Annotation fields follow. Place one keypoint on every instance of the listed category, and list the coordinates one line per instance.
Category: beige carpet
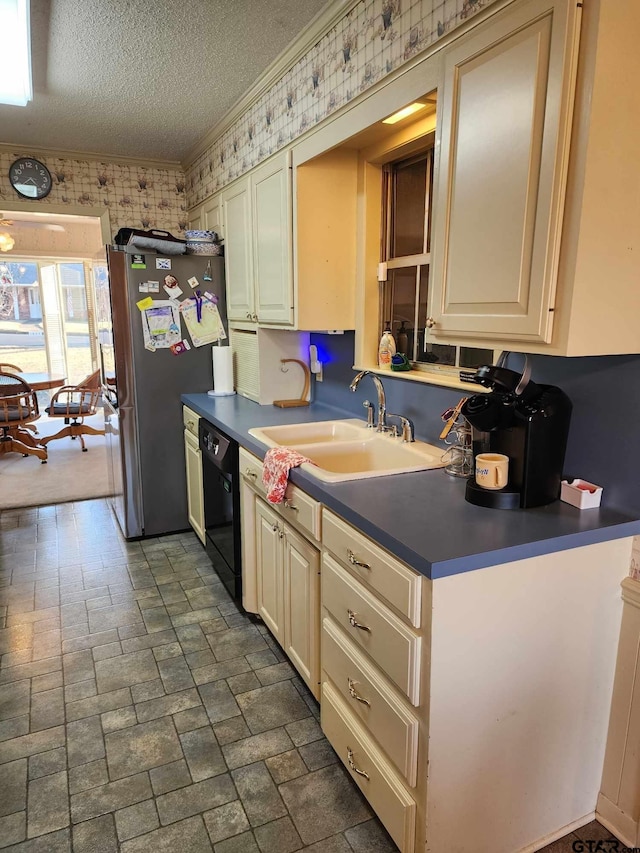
(69, 475)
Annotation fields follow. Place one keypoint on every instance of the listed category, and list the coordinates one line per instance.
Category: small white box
(581, 493)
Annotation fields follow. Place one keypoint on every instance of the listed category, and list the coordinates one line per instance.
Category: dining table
(42, 381)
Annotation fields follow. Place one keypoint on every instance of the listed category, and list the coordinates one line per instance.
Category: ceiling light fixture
(15, 82)
(403, 113)
(6, 242)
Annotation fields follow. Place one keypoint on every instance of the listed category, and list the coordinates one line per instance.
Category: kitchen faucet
(382, 400)
(406, 424)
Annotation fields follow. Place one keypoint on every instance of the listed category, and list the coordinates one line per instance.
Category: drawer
(377, 780)
(301, 510)
(397, 584)
(190, 420)
(251, 470)
(373, 627)
(297, 508)
(371, 699)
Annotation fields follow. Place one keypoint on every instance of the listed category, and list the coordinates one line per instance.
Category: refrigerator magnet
(171, 287)
(153, 286)
(143, 287)
(180, 347)
(143, 304)
(163, 263)
(193, 282)
(138, 262)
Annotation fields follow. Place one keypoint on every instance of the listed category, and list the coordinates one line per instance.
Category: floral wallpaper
(371, 41)
(136, 196)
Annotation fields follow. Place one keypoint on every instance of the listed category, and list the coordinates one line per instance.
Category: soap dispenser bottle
(386, 348)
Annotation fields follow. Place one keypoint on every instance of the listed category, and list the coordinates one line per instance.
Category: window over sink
(405, 254)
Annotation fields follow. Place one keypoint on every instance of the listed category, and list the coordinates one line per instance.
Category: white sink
(347, 450)
(321, 431)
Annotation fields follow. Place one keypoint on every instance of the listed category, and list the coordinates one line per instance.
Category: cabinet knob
(254, 317)
(249, 473)
(430, 323)
(290, 506)
(352, 764)
(354, 623)
(249, 316)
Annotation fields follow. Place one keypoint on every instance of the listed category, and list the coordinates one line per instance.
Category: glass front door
(46, 317)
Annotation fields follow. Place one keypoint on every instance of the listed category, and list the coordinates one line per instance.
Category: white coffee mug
(492, 470)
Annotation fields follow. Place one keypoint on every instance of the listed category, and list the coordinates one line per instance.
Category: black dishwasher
(221, 484)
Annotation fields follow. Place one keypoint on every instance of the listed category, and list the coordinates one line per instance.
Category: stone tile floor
(141, 711)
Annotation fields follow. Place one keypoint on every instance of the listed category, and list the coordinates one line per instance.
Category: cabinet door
(196, 219)
(273, 237)
(248, 527)
(212, 215)
(269, 568)
(302, 607)
(195, 495)
(237, 251)
(506, 120)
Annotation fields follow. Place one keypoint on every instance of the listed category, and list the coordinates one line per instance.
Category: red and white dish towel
(278, 461)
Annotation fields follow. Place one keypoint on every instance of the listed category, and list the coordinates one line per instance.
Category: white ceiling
(145, 78)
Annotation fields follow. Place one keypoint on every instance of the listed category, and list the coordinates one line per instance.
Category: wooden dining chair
(74, 403)
(9, 368)
(18, 409)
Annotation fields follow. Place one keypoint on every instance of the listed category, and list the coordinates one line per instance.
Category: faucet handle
(368, 405)
(407, 427)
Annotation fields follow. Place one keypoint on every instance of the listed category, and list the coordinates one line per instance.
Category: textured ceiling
(145, 78)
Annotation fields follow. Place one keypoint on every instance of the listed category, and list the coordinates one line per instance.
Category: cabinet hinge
(382, 271)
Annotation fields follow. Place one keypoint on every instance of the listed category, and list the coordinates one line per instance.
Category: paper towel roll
(222, 370)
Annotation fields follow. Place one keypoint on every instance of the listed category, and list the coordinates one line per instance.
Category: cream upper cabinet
(504, 132)
(272, 240)
(238, 251)
(212, 215)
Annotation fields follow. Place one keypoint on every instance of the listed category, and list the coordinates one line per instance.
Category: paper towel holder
(289, 404)
(215, 393)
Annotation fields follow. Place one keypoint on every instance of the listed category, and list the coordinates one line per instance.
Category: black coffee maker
(525, 421)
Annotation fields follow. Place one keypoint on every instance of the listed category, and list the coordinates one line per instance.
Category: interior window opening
(407, 188)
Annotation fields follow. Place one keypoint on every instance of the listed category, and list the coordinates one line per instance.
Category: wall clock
(30, 178)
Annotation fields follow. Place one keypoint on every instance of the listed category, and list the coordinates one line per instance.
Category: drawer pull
(249, 473)
(275, 528)
(352, 764)
(355, 624)
(354, 560)
(355, 695)
(289, 505)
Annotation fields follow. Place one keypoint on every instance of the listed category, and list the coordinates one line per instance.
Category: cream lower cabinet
(281, 569)
(374, 691)
(193, 463)
(458, 705)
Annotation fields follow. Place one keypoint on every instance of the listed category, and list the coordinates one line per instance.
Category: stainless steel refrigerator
(141, 389)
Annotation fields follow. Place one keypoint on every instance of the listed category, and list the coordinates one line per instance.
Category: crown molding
(316, 29)
(26, 150)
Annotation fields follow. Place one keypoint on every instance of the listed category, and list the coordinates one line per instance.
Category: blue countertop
(423, 517)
